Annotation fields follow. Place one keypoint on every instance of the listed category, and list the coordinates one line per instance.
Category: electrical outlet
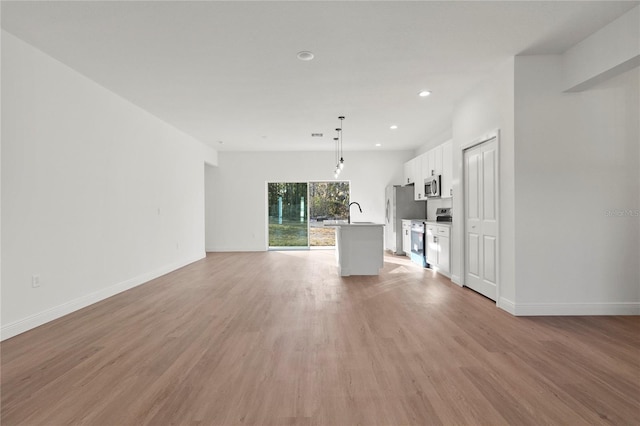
(35, 281)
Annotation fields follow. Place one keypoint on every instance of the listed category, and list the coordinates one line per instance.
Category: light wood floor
(279, 338)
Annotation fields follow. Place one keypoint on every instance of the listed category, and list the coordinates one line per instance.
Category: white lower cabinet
(406, 237)
(439, 248)
(444, 249)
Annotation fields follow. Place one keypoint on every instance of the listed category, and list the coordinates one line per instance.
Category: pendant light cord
(339, 149)
(341, 131)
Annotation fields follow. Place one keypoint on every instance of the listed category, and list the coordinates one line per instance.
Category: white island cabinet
(359, 248)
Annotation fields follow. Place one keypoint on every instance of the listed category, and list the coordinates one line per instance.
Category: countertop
(354, 224)
(433, 222)
(430, 222)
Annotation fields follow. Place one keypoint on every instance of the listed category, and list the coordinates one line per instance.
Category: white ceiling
(227, 71)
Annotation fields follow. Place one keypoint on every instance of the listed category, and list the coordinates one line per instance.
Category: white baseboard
(539, 309)
(506, 305)
(232, 249)
(441, 271)
(456, 280)
(36, 320)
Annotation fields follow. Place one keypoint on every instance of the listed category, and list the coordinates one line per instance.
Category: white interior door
(481, 218)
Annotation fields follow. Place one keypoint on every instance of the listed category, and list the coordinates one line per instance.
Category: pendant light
(336, 172)
(339, 157)
(341, 164)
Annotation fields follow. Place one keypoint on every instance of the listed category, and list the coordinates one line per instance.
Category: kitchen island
(359, 248)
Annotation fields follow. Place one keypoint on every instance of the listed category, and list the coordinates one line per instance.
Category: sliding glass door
(288, 225)
(328, 203)
(298, 212)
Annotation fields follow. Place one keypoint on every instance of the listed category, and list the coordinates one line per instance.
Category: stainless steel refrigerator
(399, 204)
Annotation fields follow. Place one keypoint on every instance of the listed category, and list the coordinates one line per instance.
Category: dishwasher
(417, 243)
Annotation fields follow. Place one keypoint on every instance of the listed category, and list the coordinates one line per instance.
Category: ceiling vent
(316, 135)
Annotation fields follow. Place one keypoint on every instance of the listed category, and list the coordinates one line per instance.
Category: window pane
(287, 214)
(329, 201)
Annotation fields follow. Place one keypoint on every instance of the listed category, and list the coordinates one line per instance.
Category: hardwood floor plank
(280, 338)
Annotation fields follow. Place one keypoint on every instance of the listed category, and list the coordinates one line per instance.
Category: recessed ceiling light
(305, 55)
(424, 93)
(378, 144)
(393, 127)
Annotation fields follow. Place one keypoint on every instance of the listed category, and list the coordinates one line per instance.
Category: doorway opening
(298, 212)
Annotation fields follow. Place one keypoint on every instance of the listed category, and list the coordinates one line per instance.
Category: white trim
(506, 305)
(539, 309)
(456, 280)
(266, 216)
(225, 249)
(482, 139)
(441, 272)
(36, 320)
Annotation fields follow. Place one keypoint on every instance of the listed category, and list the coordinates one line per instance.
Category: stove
(444, 215)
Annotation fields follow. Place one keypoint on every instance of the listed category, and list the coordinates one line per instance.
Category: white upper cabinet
(427, 160)
(418, 189)
(435, 161)
(447, 170)
(438, 161)
(409, 175)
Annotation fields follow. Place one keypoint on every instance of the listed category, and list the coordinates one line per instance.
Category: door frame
(494, 134)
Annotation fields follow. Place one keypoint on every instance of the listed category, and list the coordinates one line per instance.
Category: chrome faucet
(359, 208)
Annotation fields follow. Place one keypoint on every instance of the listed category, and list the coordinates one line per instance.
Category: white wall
(576, 158)
(236, 190)
(438, 138)
(566, 159)
(98, 195)
(608, 52)
(487, 108)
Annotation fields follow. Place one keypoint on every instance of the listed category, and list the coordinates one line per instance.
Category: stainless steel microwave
(432, 186)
